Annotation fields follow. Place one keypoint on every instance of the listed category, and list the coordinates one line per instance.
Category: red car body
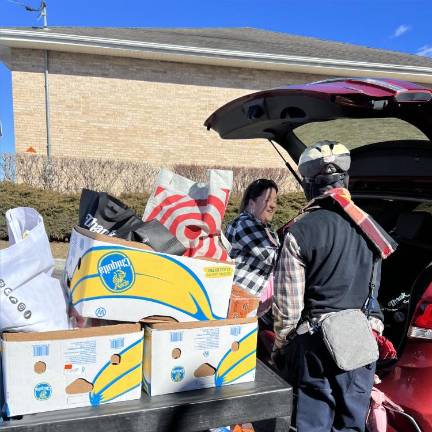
(392, 180)
(409, 382)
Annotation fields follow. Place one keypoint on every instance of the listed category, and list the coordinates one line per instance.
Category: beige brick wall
(115, 107)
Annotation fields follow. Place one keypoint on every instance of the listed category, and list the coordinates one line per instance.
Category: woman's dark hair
(254, 190)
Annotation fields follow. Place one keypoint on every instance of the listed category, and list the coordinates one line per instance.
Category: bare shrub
(243, 176)
(7, 167)
(63, 174)
(137, 176)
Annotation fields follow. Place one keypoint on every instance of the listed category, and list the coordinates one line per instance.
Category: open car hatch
(276, 114)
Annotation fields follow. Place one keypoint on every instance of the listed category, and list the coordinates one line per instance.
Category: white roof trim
(47, 39)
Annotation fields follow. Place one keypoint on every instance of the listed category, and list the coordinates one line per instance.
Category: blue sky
(401, 25)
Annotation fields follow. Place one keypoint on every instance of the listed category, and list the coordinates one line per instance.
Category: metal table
(269, 397)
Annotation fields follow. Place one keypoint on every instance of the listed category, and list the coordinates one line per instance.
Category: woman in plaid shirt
(254, 246)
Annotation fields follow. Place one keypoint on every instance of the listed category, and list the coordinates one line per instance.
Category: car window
(358, 132)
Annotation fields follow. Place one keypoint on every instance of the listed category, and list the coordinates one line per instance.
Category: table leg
(281, 424)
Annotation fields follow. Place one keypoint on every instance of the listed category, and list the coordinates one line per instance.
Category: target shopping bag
(193, 212)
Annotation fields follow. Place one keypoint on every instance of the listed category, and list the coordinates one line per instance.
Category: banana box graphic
(113, 279)
(189, 356)
(73, 368)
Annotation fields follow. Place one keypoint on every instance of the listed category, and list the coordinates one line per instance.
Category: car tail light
(413, 96)
(421, 326)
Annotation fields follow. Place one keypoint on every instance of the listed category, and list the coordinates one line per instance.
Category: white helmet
(324, 166)
(324, 157)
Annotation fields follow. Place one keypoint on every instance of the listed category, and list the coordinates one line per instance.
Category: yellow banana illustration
(236, 363)
(114, 380)
(147, 362)
(108, 272)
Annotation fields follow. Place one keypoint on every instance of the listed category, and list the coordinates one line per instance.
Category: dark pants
(328, 399)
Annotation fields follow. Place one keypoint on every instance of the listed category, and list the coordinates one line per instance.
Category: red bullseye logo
(195, 222)
(192, 232)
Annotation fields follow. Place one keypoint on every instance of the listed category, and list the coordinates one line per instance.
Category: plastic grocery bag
(21, 312)
(377, 416)
(29, 251)
(193, 212)
(30, 299)
(104, 214)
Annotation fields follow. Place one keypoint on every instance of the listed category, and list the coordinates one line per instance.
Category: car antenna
(287, 164)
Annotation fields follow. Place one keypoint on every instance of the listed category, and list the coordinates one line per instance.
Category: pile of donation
(144, 303)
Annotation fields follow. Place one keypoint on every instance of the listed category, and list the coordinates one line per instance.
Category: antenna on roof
(42, 10)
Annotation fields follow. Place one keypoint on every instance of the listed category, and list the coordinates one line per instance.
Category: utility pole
(42, 10)
(43, 14)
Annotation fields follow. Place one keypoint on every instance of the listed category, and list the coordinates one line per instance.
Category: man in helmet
(325, 266)
(324, 166)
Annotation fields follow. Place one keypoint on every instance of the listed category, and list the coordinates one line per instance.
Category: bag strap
(119, 214)
(369, 303)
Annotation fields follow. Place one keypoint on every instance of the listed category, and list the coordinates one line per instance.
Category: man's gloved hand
(386, 348)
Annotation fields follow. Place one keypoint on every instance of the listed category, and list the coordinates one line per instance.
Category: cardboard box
(189, 356)
(117, 280)
(72, 368)
(243, 304)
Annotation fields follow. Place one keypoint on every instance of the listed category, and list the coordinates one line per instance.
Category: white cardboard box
(188, 356)
(72, 368)
(113, 279)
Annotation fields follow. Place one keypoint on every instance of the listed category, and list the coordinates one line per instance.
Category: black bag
(101, 213)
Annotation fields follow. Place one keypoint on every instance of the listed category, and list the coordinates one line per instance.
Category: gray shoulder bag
(348, 335)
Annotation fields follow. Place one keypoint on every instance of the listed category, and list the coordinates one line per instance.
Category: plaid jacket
(254, 248)
(289, 289)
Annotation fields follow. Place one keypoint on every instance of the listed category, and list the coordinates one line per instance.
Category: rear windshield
(358, 132)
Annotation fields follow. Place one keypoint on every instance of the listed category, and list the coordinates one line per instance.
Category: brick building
(144, 94)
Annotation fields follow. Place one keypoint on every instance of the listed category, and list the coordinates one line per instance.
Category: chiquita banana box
(72, 368)
(188, 356)
(113, 279)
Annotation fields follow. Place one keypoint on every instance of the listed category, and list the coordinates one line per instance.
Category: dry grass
(59, 249)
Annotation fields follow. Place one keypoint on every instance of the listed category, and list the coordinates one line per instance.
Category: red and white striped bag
(193, 212)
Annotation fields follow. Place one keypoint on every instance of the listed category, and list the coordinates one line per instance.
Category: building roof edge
(49, 40)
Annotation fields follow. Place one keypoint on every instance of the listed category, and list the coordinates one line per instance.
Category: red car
(388, 126)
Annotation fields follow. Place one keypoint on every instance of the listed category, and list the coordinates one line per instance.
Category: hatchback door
(278, 114)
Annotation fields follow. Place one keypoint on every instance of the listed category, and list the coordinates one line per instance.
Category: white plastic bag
(21, 312)
(30, 299)
(29, 251)
(193, 212)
